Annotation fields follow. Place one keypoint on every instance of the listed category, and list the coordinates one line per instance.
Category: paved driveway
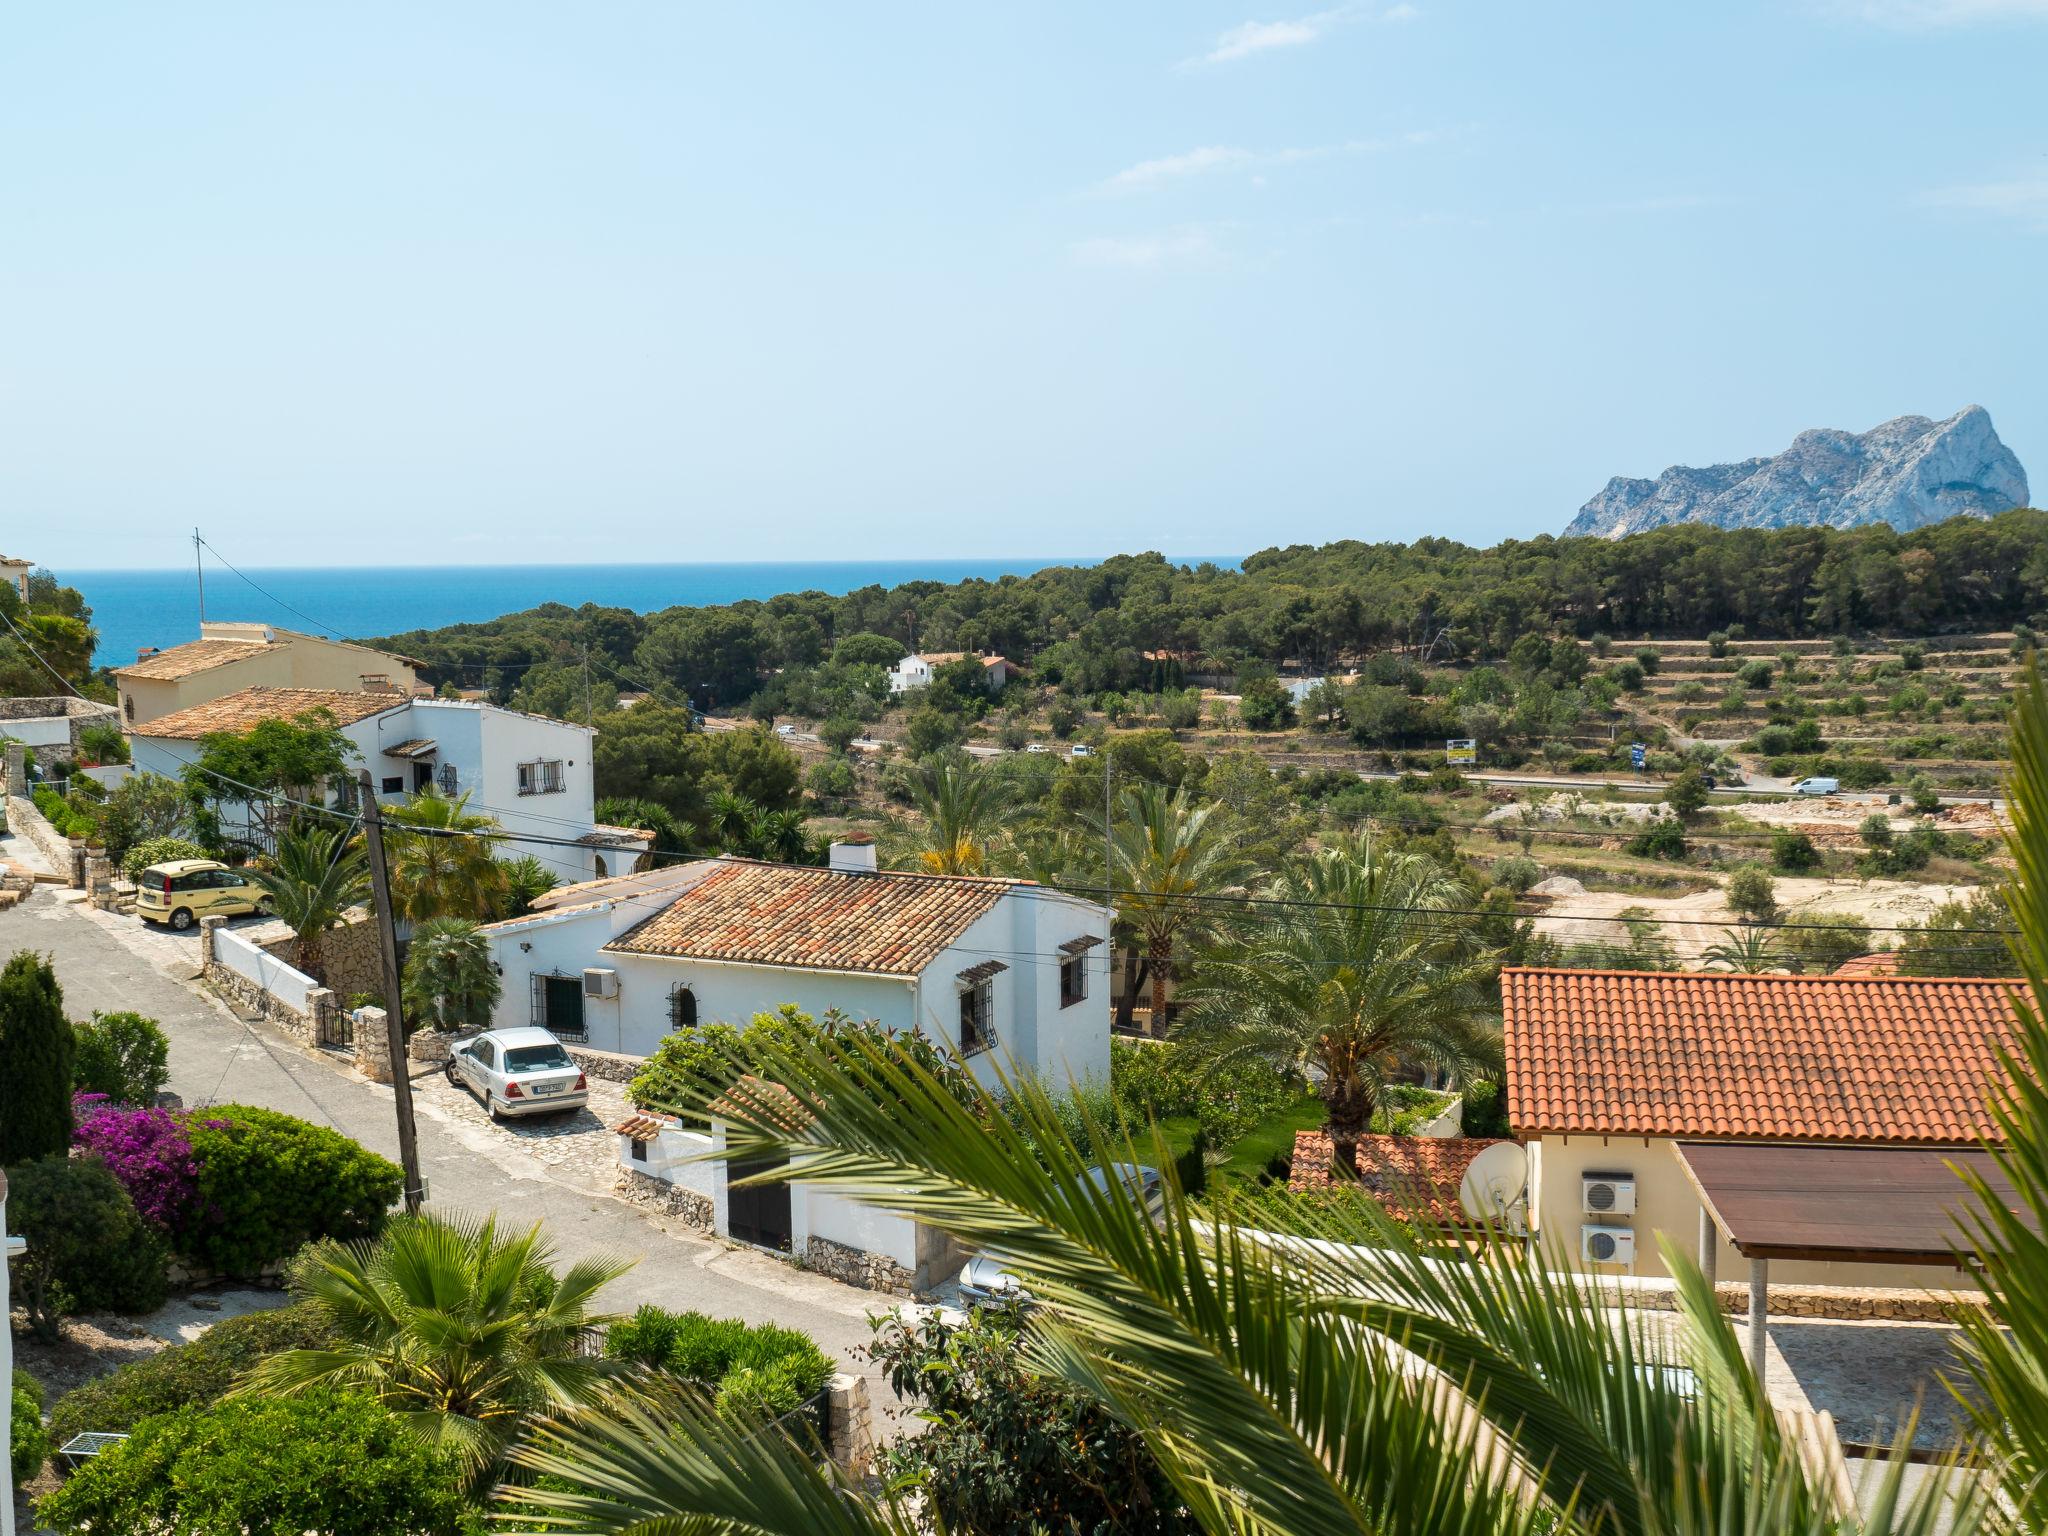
(524, 1175)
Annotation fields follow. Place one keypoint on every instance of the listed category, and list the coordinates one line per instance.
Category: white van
(1816, 786)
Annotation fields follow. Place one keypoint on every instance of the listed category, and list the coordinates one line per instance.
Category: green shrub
(1662, 839)
(1750, 893)
(186, 1375)
(158, 850)
(1517, 874)
(1793, 853)
(28, 1443)
(1754, 674)
(337, 1463)
(270, 1183)
(1820, 941)
(37, 1045)
(122, 1055)
(1485, 1111)
(1863, 773)
(88, 1248)
(754, 1373)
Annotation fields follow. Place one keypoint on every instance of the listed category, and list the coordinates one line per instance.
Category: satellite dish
(1493, 1185)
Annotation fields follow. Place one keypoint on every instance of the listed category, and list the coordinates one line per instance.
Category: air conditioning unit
(1607, 1194)
(600, 983)
(1607, 1245)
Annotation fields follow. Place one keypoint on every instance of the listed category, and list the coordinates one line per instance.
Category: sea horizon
(159, 606)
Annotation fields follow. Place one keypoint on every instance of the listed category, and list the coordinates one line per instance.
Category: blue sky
(541, 283)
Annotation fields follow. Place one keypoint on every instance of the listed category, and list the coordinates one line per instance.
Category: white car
(785, 730)
(1037, 746)
(519, 1072)
(986, 1280)
(1080, 749)
(1816, 786)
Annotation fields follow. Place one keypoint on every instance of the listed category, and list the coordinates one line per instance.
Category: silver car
(519, 1072)
(986, 1280)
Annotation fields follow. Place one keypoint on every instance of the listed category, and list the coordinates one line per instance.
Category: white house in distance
(916, 671)
(15, 573)
(1003, 971)
(229, 657)
(531, 774)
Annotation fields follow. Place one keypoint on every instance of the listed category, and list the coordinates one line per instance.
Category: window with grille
(1073, 981)
(448, 778)
(977, 1017)
(682, 1008)
(542, 777)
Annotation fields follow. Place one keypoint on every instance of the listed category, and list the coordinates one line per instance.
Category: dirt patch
(93, 1344)
(1569, 807)
(1693, 923)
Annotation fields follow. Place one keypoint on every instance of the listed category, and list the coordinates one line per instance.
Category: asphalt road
(111, 963)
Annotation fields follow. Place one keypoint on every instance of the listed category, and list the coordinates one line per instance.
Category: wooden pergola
(1834, 1203)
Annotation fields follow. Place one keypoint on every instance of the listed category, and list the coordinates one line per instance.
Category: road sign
(1638, 753)
(1461, 754)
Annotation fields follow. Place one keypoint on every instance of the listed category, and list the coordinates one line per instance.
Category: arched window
(682, 1008)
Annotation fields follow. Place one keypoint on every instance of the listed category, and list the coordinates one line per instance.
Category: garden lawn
(1270, 1138)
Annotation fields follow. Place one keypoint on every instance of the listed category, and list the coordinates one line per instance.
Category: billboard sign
(1461, 754)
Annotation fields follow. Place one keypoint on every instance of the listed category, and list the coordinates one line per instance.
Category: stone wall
(636, 1188)
(608, 1065)
(24, 820)
(851, 1432)
(852, 1266)
(349, 955)
(308, 1028)
(373, 1044)
(1831, 1301)
(75, 712)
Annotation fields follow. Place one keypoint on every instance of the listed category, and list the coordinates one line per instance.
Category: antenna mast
(199, 564)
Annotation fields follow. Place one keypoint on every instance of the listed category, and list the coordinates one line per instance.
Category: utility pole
(586, 682)
(199, 563)
(394, 1010)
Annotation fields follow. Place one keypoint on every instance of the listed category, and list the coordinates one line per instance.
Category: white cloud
(1938, 13)
(1250, 37)
(1149, 175)
(2025, 199)
(1144, 253)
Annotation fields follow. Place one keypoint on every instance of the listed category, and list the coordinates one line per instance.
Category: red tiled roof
(1784, 1058)
(1414, 1177)
(757, 1102)
(239, 712)
(640, 1127)
(890, 923)
(195, 656)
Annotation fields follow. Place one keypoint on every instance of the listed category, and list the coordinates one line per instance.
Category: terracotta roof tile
(238, 712)
(1789, 1058)
(890, 923)
(193, 657)
(1413, 1177)
(641, 1127)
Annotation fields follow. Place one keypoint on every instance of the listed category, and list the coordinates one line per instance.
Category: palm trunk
(1134, 978)
(1160, 956)
(311, 961)
(1350, 1104)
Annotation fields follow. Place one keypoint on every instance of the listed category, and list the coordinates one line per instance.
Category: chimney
(854, 854)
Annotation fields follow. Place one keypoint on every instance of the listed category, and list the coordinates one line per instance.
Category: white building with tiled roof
(1007, 972)
(229, 657)
(532, 775)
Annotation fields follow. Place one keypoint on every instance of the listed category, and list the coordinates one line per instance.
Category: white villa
(916, 671)
(531, 774)
(1003, 971)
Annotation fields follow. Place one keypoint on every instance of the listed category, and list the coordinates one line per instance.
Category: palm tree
(1358, 1384)
(465, 1333)
(732, 819)
(526, 881)
(1167, 859)
(1349, 977)
(1750, 949)
(670, 835)
(443, 859)
(450, 982)
(964, 807)
(316, 875)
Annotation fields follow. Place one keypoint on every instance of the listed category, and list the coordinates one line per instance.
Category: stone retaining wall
(608, 1065)
(851, 1266)
(26, 821)
(1840, 1302)
(308, 1029)
(348, 954)
(636, 1188)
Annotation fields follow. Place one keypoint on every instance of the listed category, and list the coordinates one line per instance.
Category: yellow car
(185, 890)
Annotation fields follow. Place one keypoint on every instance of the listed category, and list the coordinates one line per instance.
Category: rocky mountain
(1908, 472)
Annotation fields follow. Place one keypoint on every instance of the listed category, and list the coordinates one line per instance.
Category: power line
(331, 631)
(27, 646)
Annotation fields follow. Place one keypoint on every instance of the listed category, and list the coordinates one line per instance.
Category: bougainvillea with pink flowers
(148, 1151)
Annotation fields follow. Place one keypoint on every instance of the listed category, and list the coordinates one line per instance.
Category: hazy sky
(546, 283)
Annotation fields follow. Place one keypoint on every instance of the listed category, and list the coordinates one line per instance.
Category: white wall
(6, 1374)
(289, 986)
(819, 1212)
(1667, 1203)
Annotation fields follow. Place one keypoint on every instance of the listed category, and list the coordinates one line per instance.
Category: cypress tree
(36, 1047)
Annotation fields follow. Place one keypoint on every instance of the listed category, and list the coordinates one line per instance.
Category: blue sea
(133, 609)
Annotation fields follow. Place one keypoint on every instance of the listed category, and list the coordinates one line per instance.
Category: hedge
(186, 1375)
(338, 1463)
(754, 1373)
(28, 1443)
(270, 1183)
